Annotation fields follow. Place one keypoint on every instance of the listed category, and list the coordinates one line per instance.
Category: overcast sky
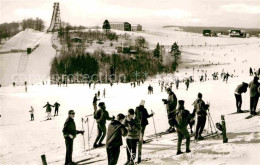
(235, 13)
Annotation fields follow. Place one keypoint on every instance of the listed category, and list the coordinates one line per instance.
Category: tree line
(73, 65)
(8, 30)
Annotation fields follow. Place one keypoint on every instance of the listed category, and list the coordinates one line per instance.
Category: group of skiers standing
(174, 116)
(132, 126)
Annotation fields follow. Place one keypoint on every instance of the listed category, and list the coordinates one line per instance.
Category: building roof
(116, 22)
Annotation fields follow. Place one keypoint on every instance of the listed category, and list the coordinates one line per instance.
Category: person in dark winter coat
(48, 110)
(32, 113)
(177, 83)
(171, 104)
(200, 109)
(98, 94)
(242, 88)
(250, 71)
(133, 126)
(183, 118)
(187, 82)
(142, 114)
(150, 89)
(114, 139)
(56, 107)
(95, 99)
(101, 116)
(69, 133)
(254, 95)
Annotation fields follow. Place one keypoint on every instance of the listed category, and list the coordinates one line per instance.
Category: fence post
(224, 131)
(44, 160)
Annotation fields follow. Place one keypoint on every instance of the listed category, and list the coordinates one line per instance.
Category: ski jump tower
(55, 20)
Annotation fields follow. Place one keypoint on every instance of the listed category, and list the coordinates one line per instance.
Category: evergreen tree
(106, 26)
(156, 51)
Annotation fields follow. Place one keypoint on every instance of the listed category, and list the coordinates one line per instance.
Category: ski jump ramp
(55, 20)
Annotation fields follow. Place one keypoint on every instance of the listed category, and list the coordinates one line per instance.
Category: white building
(136, 27)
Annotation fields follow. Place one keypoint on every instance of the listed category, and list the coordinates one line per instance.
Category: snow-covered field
(23, 141)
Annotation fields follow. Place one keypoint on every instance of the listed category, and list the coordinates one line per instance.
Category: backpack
(200, 108)
(138, 113)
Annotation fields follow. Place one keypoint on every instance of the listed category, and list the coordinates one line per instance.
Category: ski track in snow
(23, 141)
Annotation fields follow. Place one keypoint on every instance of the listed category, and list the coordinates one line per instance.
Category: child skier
(32, 113)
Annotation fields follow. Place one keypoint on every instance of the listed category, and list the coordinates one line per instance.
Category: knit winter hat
(101, 104)
(181, 103)
(71, 112)
(142, 102)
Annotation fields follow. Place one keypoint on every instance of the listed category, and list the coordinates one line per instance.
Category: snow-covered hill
(37, 66)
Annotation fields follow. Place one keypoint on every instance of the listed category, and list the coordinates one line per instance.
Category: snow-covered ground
(23, 141)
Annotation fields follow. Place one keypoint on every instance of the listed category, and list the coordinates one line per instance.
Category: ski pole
(154, 126)
(92, 129)
(131, 156)
(83, 134)
(88, 136)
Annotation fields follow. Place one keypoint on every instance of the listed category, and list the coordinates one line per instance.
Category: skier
(177, 83)
(254, 95)
(142, 114)
(116, 130)
(242, 88)
(95, 99)
(56, 106)
(149, 89)
(187, 82)
(98, 94)
(162, 87)
(32, 113)
(133, 126)
(171, 107)
(48, 110)
(69, 133)
(250, 71)
(201, 78)
(104, 93)
(183, 117)
(227, 75)
(13, 84)
(200, 109)
(101, 116)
